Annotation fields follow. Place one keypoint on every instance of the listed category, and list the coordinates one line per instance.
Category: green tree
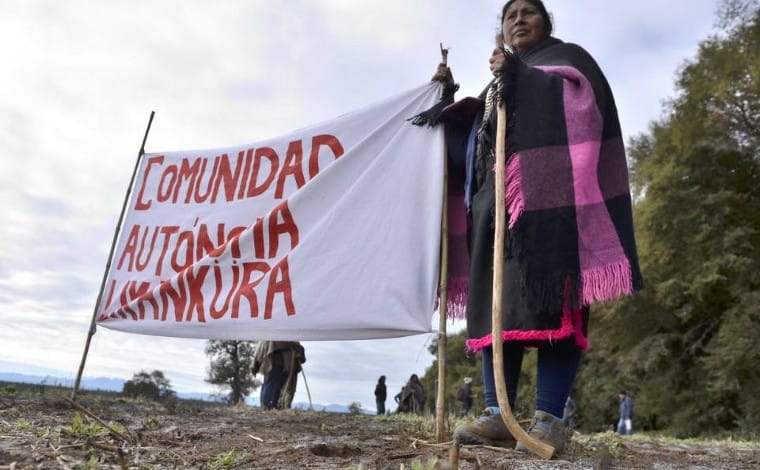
(230, 367)
(687, 346)
(153, 386)
(459, 364)
(355, 408)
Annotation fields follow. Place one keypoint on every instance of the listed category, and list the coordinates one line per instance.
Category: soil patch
(49, 433)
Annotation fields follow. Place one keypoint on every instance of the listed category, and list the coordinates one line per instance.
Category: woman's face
(523, 26)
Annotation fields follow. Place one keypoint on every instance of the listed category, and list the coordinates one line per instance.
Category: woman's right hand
(443, 75)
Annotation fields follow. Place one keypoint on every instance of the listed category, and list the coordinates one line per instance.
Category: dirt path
(47, 433)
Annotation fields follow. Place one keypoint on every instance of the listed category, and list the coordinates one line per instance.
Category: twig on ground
(403, 456)
(103, 446)
(500, 449)
(56, 449)
(424, 443)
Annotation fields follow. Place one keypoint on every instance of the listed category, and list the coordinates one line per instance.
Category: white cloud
(80, 79)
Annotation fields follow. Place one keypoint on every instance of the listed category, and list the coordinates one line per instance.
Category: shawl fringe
(432, 116)
(456, 303)
(608, 282)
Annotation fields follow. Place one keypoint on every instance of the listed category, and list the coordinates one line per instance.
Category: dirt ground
(49, 432)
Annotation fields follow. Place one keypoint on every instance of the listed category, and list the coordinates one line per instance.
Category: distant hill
(109, 384)
(89, 383)
(116, 385)
(331, 408)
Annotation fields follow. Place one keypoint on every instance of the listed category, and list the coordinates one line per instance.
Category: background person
(381, 392)
(279, 362)
(625, 423)
(411, 398)
(465, 396)
(569, 234)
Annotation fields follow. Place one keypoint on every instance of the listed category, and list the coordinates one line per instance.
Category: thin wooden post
(92, 328)
(440, 405)
(308, 393)
(539, 448)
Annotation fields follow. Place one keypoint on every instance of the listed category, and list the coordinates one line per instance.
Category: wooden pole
(440, 405)
(536, 446)
(306, 384)
(91, 330)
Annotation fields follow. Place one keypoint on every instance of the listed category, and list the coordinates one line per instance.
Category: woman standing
(569, 232)
(381, 392)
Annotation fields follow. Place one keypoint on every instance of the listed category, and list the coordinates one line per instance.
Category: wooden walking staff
(440, 405)
(91, 331)
(536, 446)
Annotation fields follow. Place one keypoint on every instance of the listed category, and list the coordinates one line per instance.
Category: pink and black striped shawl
(570, 229)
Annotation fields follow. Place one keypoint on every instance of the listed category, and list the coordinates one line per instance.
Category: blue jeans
(557, 367)
(625, 428)
(271, 388)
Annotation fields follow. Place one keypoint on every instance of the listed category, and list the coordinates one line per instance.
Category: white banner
(329, 232)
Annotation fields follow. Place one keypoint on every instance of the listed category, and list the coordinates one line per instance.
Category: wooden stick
(454, 456)
(536, 446)
(440, 405)
(306, 384)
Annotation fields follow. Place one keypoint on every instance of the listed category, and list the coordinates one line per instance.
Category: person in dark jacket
(465, 396)
(411, 398)
(381, 392)
(625, 423)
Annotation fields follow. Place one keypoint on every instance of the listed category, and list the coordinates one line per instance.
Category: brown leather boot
(488, 430)
(548, 429)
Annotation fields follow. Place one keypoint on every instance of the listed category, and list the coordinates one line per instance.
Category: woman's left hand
(498, 61)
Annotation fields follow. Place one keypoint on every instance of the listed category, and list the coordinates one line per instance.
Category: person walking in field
(625, 423)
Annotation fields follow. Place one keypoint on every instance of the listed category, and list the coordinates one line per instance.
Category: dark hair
(548, 26)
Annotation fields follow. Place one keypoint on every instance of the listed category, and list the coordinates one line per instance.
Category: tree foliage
(687, 346)
(154, 386)
(230, 368)
(459, 364)
(355, 408)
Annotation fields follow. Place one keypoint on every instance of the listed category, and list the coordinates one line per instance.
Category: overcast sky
(80, 79)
